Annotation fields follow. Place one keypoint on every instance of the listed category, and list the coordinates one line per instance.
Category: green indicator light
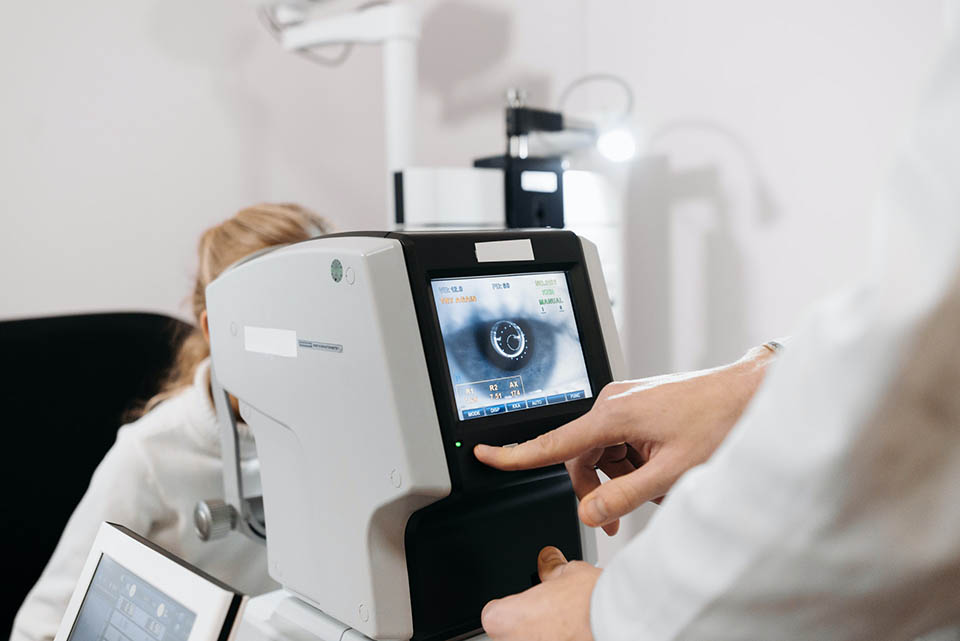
(458, 443)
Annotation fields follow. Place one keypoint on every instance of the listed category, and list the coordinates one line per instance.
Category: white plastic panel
(335, 429)
(608, 326)
(452, 197)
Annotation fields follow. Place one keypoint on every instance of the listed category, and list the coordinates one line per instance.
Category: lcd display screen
(511, 342)
(121, 606)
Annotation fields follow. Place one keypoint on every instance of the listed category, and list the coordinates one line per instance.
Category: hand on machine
(643, 435)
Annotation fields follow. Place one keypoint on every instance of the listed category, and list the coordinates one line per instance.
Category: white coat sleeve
(122, 490)
(831, 510)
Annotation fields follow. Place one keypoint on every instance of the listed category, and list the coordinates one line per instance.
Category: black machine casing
(482, 541)
(526, 208)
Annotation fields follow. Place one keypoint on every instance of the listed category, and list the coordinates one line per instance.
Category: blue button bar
(557, 398)
(474, 413)
(537, 402)
(575, 396)
(516, 405)
(495, 409)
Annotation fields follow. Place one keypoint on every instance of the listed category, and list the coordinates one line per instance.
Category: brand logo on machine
(323, 347)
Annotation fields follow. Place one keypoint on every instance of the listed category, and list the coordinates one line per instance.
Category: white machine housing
(320, 343)
(275, 325)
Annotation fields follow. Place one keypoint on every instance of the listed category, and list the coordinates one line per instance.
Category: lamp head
(617, 145)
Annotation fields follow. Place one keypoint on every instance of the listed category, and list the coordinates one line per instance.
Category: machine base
(280, 616)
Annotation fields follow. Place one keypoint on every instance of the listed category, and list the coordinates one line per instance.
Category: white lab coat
(832, 511)
(151, 478)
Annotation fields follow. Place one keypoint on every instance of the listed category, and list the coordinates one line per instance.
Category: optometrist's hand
(556, 610)
(642, 434)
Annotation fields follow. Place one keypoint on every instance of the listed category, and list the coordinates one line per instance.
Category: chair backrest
(65, 384)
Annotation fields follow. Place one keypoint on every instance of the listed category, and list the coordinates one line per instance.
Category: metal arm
(215, 518)
(396, 26)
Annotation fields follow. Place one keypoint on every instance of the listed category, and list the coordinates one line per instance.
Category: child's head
(248, 231)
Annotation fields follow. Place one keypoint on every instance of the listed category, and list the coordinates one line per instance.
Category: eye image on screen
(511, 342)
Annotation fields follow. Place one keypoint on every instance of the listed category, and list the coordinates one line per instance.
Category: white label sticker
(266, 340)
(544, 182)
(504, 250)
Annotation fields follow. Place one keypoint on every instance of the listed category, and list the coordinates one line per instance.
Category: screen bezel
(216, 605)
(438, 255)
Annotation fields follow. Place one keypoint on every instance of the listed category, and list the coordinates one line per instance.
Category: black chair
(66, 383)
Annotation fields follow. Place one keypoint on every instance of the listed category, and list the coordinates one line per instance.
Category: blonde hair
(249, 230)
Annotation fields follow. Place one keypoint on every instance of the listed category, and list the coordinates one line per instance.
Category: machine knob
(213, 519)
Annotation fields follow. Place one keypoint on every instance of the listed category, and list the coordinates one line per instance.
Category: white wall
(803, 102)
(127, 129)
